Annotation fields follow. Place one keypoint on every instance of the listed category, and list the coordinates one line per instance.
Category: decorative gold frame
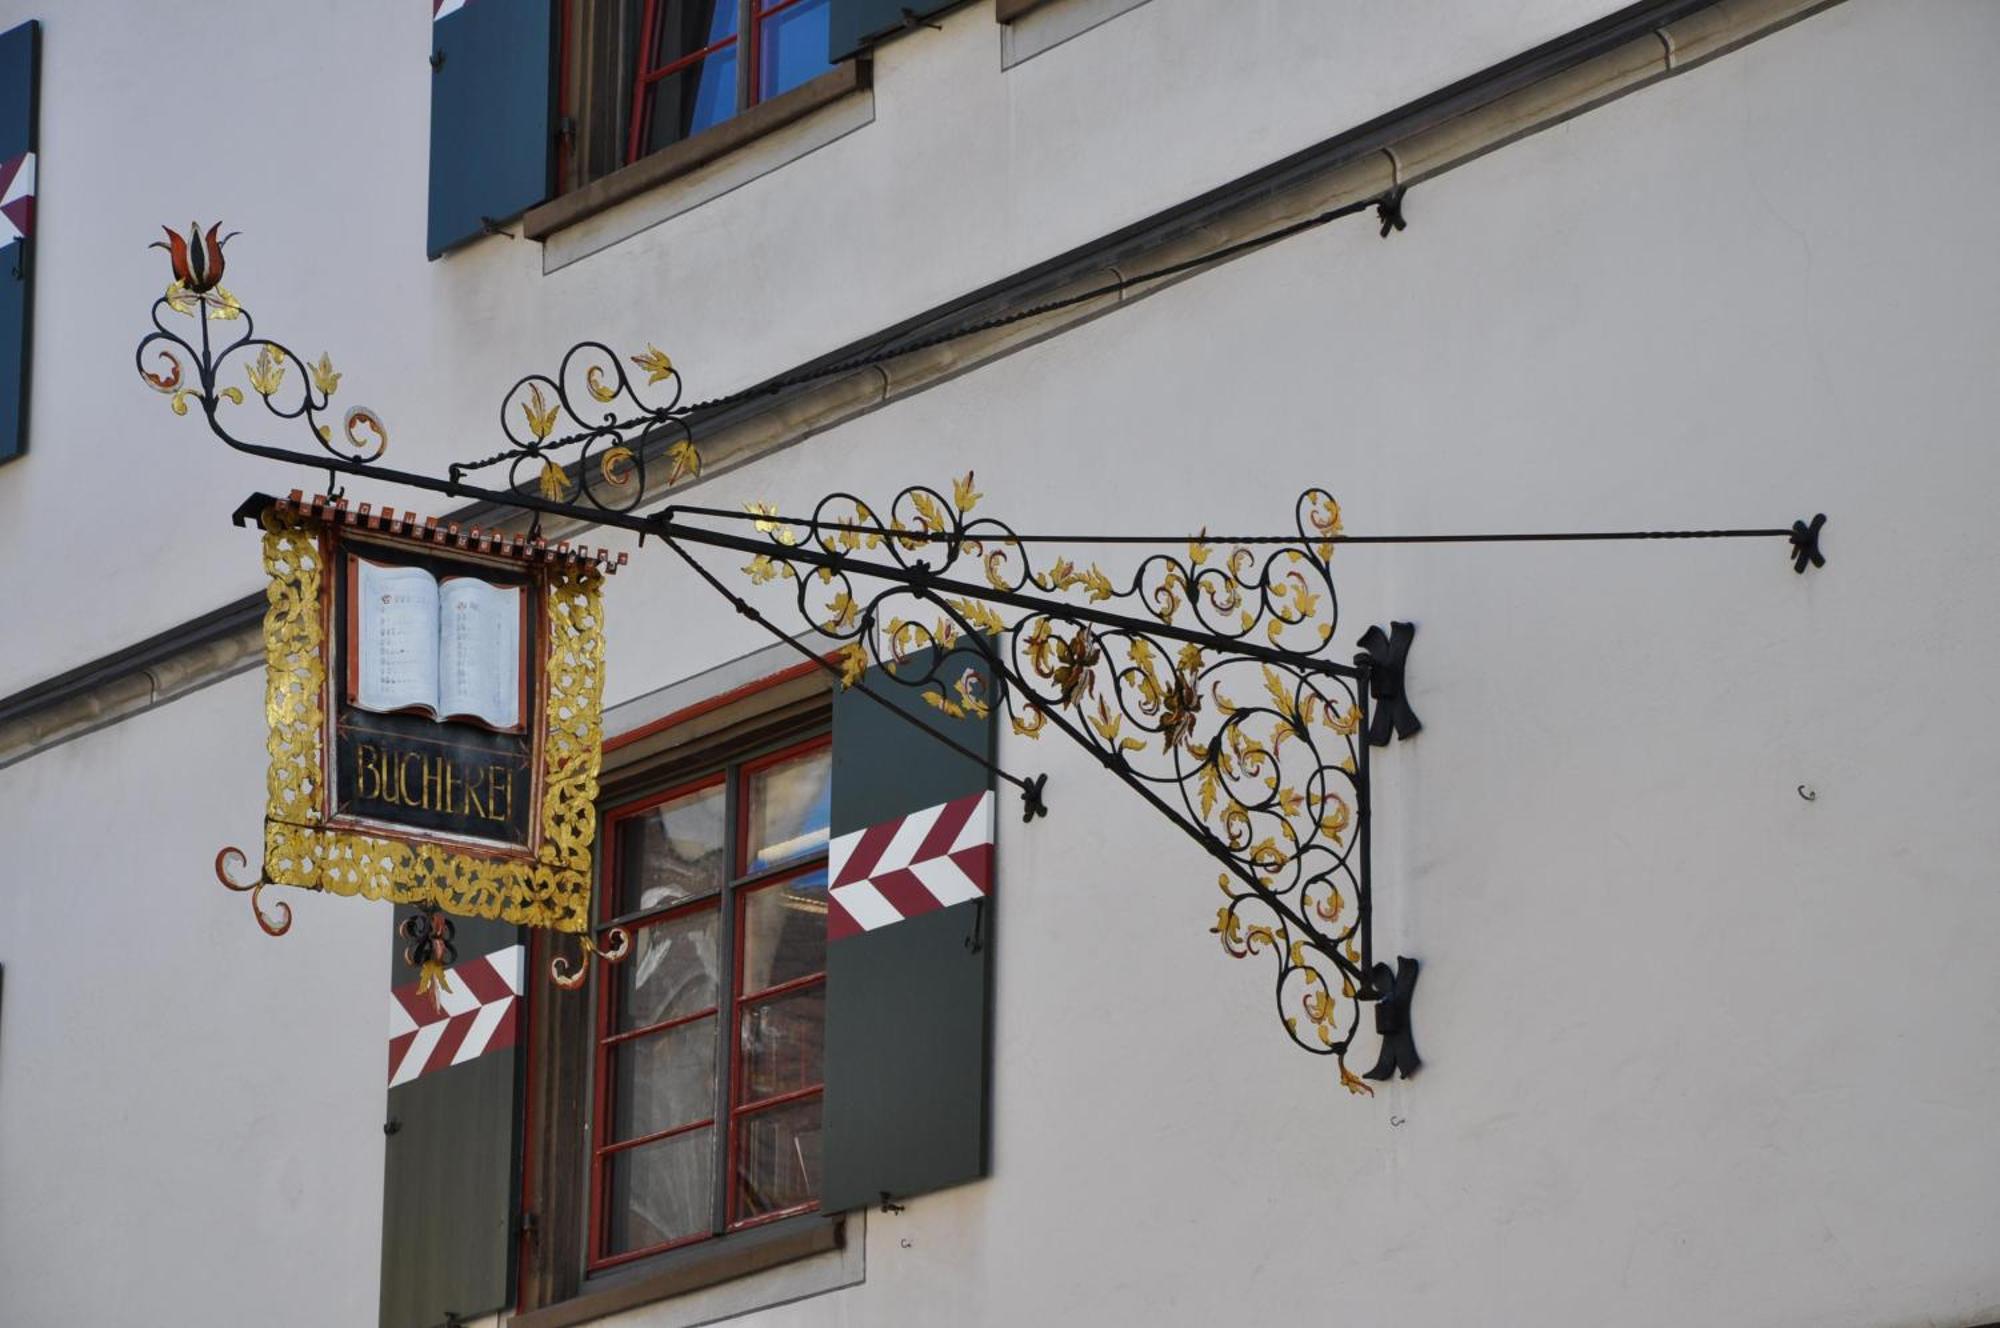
(549, 889)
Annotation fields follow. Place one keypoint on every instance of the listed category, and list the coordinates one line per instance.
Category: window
(710, 1035)
(643, 75)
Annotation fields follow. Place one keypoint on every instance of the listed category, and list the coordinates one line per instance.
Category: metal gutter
(1538, 89)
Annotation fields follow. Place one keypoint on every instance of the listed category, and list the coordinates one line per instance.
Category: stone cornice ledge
(1540, 89)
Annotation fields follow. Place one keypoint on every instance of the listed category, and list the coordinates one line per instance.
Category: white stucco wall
(1698, 1051)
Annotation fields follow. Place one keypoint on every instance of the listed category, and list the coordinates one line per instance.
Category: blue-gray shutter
(854, 24)
(452, 1176)
(492, 116)
(20, 51)
(908, 1018)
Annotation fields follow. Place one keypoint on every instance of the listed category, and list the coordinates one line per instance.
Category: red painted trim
(785, 1098)
(784, 988)
(664, 1026)
(671, 1132)
(680, 62)
(737, 891)
(686, 713)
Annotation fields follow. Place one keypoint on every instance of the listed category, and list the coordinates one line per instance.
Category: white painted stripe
(909, 838)
(448, 7)
(944, 879)
(481, 1032)
(512, 965)
(23, 184)
(839, 851)
(419, 1054)
(399, 1019)
(978, 828)
(865, 904)
(459, 998)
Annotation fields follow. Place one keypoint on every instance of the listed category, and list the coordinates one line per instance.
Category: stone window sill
(691, 154)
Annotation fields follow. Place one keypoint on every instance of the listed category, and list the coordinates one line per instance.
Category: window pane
(664, 1080)
(784, 931)
(687, 102)
(793, 48)
(777, 1159)
(790, 804)
(662, 1191)
(671, 971)
(783, 1041)
(671, 852)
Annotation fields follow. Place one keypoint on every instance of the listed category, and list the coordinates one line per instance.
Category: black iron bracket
(1202, 680)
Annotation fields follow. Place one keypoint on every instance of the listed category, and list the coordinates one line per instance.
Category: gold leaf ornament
(655, 362)
(963, 494)
(777, 530)
(324, 376)
(593, 378)
(541, 413)
(554, 483)
(267, 372)
(853, 662)
(682, 459)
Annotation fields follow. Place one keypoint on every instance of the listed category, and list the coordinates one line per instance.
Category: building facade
(1695, 850)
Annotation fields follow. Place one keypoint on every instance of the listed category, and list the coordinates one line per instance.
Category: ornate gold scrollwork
(550, 889)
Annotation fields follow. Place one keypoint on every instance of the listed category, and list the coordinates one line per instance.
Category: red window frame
(750, 18)
(739, 884)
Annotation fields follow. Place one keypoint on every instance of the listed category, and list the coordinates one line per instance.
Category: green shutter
(453, 1147)
(908, 1026)
(492, 109)
(854, 24)
(20, 49)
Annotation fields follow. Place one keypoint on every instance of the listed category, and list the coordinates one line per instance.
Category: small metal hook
(1808, 794)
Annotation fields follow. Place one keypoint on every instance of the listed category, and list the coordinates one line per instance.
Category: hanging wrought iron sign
(1213, 678)
(433, 697)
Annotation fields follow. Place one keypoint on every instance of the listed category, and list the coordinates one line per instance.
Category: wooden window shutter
(453, 1125)
(910, 958)
(492, 114)
(20, 51)
(855, 24)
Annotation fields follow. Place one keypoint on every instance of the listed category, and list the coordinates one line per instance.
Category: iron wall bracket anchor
(1393, 990)
(1384, 655)
(1805, 544)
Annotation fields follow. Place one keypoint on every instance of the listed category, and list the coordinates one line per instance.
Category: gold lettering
(403, 778)
(433, 800)
(367, 772)
(473, 806)
(502, 777)
(451, 801)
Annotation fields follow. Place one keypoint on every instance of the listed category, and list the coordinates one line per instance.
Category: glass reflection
(790, 807)
(671, 852)
(671, 971)
(784, 931)
(660, 1192)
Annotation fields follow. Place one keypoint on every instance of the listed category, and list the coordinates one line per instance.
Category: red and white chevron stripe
(17, 198)
(478, 1014)
(928, 860)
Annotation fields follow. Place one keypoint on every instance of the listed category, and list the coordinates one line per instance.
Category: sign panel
(433, 701)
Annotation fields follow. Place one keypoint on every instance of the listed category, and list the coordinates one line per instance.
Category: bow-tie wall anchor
(1393, 990)
(1384, 654)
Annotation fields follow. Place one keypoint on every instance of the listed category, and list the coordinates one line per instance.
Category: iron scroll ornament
(1207, 681)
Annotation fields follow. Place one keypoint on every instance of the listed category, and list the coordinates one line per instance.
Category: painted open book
(447, 647)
